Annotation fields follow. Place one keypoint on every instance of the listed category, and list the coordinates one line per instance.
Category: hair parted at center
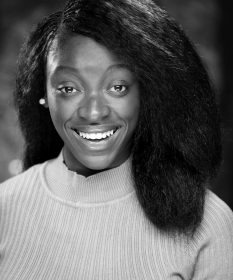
(176, 147)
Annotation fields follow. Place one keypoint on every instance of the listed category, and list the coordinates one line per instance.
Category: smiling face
(93, 100)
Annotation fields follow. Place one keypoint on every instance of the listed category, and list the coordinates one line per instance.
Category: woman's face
(93, 100)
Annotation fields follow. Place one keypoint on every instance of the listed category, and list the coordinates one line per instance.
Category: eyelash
(63, 89)
(60, 90)
(121, 92)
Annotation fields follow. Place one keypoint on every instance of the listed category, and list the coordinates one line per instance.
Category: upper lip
(95, 129)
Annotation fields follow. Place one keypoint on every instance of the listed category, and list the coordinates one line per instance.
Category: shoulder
(218, 217)
(16, 184)
(212, 245)
(217, 222)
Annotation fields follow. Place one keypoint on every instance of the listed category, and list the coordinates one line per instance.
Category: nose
(94, 109)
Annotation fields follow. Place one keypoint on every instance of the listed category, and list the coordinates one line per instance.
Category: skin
(90, 90)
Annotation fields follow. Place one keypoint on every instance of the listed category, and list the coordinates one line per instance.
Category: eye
(68, 90)
(119, 89)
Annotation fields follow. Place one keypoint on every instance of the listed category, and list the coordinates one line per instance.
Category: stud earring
(42, 101)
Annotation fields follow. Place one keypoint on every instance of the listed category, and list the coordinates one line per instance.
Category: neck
(99, 187)
(76, 166)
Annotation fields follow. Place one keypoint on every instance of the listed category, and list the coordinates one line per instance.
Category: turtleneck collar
(101, 187)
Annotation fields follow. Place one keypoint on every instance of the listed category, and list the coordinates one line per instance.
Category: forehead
(80, 51)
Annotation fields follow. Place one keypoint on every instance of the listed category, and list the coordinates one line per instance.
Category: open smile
(96, 136)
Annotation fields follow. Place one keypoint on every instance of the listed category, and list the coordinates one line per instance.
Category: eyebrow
(118, 66)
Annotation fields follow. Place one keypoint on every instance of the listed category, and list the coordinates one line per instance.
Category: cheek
(58, 107)
(60, 112)
(129, 113)
(129, 106)
(130, 110)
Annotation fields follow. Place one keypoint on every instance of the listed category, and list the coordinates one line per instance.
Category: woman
(122, 139)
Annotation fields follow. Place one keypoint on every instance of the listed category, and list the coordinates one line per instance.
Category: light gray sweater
(55, 224)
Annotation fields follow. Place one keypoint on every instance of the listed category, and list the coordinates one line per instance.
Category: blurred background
(208, 24)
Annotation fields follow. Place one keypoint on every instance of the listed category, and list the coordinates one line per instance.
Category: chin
(98, 163)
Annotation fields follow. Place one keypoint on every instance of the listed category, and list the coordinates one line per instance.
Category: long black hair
(176, 148)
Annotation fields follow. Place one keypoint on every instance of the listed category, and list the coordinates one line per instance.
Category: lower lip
(97, 145)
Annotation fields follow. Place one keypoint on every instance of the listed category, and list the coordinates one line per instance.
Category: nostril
(82, 112)
(94, 111)
(106, 111)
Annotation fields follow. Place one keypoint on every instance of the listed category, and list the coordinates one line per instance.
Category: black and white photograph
(116, 140)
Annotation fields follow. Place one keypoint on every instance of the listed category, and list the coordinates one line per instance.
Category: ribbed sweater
(56, 224)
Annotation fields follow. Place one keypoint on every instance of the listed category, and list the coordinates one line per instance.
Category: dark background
(208, 24)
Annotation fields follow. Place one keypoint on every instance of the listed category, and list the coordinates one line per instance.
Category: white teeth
(98, 135)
